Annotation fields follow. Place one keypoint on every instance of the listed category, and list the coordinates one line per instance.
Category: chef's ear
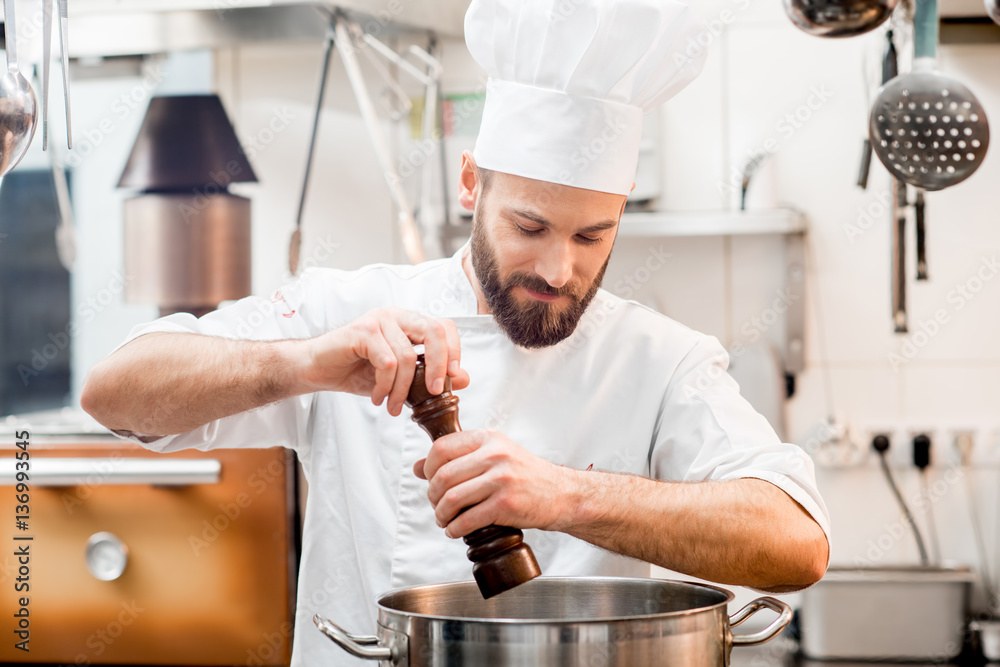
(624, 201)
(468, 182)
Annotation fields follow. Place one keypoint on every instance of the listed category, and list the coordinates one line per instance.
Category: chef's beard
(536, 324)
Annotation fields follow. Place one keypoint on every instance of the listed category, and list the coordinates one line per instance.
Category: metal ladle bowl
(18, 105)
(18, 110)
(929, 130)
(993, 9)
(838, 18)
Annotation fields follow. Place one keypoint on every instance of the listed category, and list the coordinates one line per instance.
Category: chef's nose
(555, 265)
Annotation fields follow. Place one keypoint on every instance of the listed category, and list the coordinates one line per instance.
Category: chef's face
(539, 251)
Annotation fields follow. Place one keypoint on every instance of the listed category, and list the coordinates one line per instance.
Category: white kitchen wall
(760, 68)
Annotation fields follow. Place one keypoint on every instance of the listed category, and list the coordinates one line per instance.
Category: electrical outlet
(833, 444)
(836, 446)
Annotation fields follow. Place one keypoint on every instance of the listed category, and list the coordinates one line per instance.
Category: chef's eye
(588, 240)
(529, 232)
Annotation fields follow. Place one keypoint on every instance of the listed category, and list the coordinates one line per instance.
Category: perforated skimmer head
(929, 130)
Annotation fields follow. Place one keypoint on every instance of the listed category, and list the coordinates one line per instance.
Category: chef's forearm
(166, 383)
(744, 532)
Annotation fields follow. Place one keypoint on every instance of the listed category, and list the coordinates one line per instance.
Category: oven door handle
(112, 470)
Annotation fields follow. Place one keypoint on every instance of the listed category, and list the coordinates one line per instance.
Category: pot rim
(729, 597)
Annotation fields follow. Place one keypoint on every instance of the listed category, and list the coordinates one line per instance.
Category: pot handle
(768, 633)
(362, 646)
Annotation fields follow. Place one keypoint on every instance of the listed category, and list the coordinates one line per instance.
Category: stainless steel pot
(585, 621)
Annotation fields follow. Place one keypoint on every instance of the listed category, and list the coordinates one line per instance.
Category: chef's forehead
(512, 190)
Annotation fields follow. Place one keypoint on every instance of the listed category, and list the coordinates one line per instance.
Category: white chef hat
(569, 81)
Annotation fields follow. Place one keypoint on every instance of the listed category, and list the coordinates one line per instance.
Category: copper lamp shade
(187, 239)
(186, 142)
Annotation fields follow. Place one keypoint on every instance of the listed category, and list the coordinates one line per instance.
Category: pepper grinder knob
(501, 558)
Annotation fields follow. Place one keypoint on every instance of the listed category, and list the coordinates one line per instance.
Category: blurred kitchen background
(797, 286)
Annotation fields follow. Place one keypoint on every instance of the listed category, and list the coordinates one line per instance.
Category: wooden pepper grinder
(502, 559)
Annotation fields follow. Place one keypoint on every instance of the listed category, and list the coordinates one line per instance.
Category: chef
(609, 433)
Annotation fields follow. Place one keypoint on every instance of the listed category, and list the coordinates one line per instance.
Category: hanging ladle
(18, 106)
(838, 18)
(928, 129)
(993, 9)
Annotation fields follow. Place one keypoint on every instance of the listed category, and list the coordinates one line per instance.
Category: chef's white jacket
(629, 391)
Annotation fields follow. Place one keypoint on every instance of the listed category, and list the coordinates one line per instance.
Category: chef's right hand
(374, 356)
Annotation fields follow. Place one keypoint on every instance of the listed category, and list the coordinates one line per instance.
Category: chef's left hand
(498, 480)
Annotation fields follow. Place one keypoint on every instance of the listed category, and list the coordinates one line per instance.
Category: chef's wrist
(578, 492)
(295, 357)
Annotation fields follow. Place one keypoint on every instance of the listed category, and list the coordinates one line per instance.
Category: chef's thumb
(418, 468)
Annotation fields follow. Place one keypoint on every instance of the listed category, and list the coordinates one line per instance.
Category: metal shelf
(712, 223)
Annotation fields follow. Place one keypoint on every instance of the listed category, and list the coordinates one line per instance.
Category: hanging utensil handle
(295, 245)
(46, 58)
(362, 646)
(925, 33)
(899, 256)
(64, 47)
(921, 236)
(10, 35)
(768, 633)
(890, 59)
(866, 163)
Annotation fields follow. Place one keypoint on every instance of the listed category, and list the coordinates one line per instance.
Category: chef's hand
(374, 356)
(498, 480)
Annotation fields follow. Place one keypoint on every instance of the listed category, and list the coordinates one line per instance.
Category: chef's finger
(454, 347)
(466, 495)
(459, 377)
(376, 350)
(475, 517)
(461, 381)
(406, 364)
(434, 336)
(418, 469)
(450, 447)
(452, 474)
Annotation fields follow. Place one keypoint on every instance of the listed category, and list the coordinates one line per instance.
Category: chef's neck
(482, 308)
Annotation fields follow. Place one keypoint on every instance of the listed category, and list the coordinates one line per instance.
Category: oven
(126, 556)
